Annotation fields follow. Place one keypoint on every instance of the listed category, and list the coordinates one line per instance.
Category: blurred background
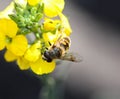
(95, 37)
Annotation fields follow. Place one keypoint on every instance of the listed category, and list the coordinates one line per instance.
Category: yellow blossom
(2, 41)
(50, 25)
(53, 7)
(23, 63)
(39, 66)
(18, 46)
(49, 37)
(65, 24)
(16, 43)
(33, 53)
(33, 2)
(42, 67)
(8, 29)
(9, 56)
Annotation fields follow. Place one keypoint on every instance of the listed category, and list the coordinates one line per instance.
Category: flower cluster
(43, 19)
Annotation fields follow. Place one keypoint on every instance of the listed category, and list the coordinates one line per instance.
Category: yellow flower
(33, 2)
(39, 66)
(50, 25)
(53, 7)
(49, 37)
(16, 48)
(8, 28)
(17, 44)
(33, 53)
(42, 67)
(23, 63)
(9, 56)
(2, 41)
(65, 24)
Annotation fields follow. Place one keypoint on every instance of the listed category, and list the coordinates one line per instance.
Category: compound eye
(46, 54)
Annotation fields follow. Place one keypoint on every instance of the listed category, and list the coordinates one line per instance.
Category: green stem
(48, 91)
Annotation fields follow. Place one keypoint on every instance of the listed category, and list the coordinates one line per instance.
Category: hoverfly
(59, 50)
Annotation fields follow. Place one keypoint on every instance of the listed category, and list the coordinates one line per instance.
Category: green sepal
(24, 31)
(38, 17)
(13, 17)
(40, 8)
(18, 8)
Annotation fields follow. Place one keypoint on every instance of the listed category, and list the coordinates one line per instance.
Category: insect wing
(74, 57)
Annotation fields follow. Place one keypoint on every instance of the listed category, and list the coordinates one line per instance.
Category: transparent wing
(73, 57)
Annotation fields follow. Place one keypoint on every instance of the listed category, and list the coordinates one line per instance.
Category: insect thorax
(57, 50)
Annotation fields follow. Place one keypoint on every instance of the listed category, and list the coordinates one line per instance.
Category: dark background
(16, 84)
(108, 10)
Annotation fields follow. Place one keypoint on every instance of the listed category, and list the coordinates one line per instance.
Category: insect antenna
(46, 48)
(49, 43)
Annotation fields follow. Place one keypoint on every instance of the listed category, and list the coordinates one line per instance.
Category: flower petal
(33, 53)
(19, 45)
(65, 24)
(8, 27)
(50, 25)
(22, 63)
(9, 57)
(53, 7)
(33, 2)
(11, 29)
(2, 41)
(42, 67)
(49, 37)
(3, 25)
